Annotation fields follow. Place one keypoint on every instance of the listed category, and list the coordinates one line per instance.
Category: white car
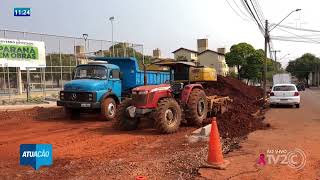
(284, 94)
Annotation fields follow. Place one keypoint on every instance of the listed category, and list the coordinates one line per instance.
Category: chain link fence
(63, 54)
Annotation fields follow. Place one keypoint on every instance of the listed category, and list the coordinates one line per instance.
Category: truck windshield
(91, 72)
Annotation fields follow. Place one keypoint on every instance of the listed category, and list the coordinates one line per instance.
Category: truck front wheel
(167, 116)
(108, 109)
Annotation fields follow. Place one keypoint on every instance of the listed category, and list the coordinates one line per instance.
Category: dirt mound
(243, 116)
(33, 113)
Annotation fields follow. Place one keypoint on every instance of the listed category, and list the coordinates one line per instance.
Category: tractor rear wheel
(167, 116)
(197, 108)
(123, 121)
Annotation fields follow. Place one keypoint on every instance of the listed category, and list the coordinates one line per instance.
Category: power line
(297, 35)
(305, 35)
(259, 9)
(298, 29)
(235, 11)
(241, 10)
(291, 40)
(254, 8)
(248, 8)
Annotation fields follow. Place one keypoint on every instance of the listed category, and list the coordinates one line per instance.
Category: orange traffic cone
(215, 157)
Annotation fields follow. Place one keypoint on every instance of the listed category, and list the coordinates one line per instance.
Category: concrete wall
(212, 59)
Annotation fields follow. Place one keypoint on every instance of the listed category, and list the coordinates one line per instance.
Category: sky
(166, 24)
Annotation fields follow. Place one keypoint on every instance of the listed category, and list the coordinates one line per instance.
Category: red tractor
(166, 103)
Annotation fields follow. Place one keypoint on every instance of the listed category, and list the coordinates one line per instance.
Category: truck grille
(140, 99)
(78, 96)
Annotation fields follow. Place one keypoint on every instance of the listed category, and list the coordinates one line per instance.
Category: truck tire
(167, 116)
(72, 113)
(197, 108)
(123, 121)
(108, 108)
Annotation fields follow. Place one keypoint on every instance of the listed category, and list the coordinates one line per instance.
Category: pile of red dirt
(244, 115)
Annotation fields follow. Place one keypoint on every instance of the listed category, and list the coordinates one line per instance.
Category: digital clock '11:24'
(22, 11)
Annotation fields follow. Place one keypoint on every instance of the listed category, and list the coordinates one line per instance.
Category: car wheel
(297, 105)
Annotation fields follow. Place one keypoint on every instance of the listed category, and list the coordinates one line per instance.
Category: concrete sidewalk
(27, 106)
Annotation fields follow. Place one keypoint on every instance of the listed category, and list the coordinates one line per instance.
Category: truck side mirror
(121, 75)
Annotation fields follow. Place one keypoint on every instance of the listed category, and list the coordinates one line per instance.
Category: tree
(302, 66)
(123, 50)
(250, 62)
(251, 70)
(238, 56)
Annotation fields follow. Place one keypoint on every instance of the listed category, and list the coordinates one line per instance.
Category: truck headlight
(62, 95)
(143, 92)
(90, 96)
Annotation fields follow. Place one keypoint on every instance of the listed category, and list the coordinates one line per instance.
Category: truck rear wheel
(167, 116)
(197, 107)
(123, 121)
(108, 109)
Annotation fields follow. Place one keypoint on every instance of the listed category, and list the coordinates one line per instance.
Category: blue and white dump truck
(100, 85)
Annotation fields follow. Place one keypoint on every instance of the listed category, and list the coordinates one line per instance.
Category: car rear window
(284, 88)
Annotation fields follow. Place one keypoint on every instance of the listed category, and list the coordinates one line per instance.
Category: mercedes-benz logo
(74, 96)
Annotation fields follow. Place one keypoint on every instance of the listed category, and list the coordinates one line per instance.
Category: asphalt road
(291, 147)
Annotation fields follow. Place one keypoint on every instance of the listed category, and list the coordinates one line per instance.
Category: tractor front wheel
(167, 116)
(196, 108)
(123, 121)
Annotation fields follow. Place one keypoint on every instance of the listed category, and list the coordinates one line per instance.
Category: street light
(111, 19)
(296, 10)
(284, 56)
(85, 37)
(266, 40)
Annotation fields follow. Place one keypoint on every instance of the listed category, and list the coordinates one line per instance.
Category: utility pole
(266, 40)
(275, 59)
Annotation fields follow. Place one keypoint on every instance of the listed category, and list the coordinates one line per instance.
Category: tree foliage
(249, 62)
(123, 50)
(302, 66)
(238, 56)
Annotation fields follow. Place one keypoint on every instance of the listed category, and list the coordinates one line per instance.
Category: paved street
(290, 128)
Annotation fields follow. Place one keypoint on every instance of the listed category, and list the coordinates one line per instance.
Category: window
(284, 88)
(91, 72)
(115, 74)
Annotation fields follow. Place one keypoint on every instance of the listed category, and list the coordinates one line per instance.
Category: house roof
(185, 49)
(156, 60)
(208, 50)
(174, 63)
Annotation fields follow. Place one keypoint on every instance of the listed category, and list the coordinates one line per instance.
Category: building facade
(185, 54)
(205, 57)
(214, 59)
